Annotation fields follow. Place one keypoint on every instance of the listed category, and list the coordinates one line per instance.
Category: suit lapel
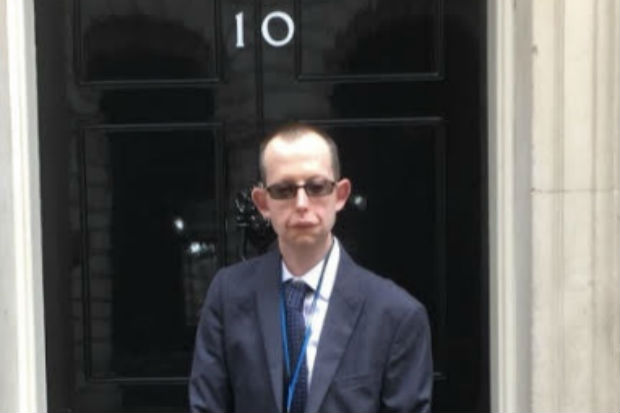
(267, 299)
(345, 305)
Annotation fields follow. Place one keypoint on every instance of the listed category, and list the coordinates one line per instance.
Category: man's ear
(343, 190)
(259, 196)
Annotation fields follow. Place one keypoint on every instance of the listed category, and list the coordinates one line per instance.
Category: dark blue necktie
(295, 293)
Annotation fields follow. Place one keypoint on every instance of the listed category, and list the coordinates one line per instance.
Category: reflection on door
(149, 139)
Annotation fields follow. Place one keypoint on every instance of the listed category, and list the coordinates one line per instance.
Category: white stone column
(575, 283)
(22, 339)
(509, 96)
(554, 136)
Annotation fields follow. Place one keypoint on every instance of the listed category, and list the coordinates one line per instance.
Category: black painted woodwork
(150, 116)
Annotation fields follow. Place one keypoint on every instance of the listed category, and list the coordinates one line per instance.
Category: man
(304, 328)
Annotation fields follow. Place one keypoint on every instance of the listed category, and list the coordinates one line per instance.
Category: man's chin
(304, 240)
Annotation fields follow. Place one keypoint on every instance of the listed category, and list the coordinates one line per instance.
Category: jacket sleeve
(408, 379)
(209, 384)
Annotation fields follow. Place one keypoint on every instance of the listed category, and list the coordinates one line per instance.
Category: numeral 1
(240, 39)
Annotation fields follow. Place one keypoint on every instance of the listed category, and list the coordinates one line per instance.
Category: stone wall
(575, 284)
(555, 288)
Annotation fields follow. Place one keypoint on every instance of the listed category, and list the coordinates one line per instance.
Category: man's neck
(300, 261)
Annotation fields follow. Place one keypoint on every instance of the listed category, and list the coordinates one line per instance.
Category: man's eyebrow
(294, 181)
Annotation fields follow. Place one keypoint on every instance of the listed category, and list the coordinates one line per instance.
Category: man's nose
(301, 198)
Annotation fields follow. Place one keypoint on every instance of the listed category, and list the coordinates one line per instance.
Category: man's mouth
(302, 225)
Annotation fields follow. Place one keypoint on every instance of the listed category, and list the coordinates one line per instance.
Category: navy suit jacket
(374, 352)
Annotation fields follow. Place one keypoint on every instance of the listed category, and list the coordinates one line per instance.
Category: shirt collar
(311, 278)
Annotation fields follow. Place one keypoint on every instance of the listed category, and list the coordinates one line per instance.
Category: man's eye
(282, 190)
(286, 189)
(315, 187)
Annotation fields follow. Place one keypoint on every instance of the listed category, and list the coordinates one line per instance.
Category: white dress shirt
(311, 278)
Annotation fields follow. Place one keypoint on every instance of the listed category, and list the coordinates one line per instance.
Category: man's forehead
(306, 141)
(298, 155)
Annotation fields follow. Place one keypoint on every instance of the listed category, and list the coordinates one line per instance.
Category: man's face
(301, 221)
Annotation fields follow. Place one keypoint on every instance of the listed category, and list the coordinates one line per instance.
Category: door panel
(142, 264)
(395, 221)
(151, 117)
(143, 42)
(337, 40)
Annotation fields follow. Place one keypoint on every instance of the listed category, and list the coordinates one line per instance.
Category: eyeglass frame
(331, 183)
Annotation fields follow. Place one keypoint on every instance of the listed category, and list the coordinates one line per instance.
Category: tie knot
(295, 294)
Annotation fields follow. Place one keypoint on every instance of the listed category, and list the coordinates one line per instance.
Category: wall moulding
(22, 389)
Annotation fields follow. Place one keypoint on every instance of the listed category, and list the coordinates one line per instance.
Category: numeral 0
(290, 29)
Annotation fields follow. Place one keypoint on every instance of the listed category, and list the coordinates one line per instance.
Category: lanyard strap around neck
(302, 352)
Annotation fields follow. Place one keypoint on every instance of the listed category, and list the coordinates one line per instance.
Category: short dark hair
(293, 131)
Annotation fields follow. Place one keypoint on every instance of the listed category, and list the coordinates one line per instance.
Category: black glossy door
(150, 116)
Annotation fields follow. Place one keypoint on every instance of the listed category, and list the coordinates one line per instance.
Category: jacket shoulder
(243, 269)
(241, 280)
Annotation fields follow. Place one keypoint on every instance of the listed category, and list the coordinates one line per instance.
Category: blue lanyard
(302, 352)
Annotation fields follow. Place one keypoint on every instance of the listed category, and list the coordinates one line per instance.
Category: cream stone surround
(553, 90)
(553, 179)
(22, 338)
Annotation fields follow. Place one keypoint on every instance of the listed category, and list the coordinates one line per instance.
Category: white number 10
(290, 29)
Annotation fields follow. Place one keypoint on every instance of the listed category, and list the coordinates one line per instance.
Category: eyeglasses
(313, 188)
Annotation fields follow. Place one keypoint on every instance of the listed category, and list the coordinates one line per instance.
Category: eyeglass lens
(313, 188)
